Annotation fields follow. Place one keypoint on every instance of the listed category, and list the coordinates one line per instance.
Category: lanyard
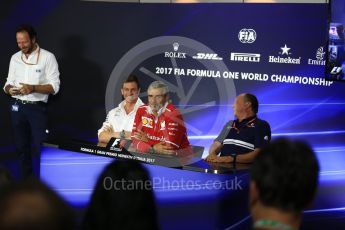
(38, 56)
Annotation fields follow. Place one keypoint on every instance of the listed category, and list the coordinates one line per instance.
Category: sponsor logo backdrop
(206, 53)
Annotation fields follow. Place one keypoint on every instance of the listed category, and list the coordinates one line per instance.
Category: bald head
(246, 105)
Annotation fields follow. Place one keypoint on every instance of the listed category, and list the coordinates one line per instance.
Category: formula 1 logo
(336, 70)
(247, 35)
(207, 56)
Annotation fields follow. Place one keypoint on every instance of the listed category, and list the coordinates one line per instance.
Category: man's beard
(28, 50)
(156, 107)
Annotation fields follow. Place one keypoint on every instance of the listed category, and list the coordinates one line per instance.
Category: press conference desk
(185, 188)
(190, 162)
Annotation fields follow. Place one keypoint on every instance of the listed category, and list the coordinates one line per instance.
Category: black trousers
(29, 123)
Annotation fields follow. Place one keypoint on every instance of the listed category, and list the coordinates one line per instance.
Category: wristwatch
(122, 134)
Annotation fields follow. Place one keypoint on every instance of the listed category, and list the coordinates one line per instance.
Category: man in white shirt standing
(119, 121)
(33, 75)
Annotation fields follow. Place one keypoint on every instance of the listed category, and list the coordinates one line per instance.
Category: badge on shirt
(15, 108)
(147, 122)
(162, 125)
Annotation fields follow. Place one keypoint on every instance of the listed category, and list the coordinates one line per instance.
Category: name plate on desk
(120, 152)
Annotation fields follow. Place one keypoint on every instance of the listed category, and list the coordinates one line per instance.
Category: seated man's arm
(174, 133)
(127, 135)
(214, 150)
(139, 138)
(247, 157)
(104, 136)
(106, 131)
(218, 143)
(242, 158)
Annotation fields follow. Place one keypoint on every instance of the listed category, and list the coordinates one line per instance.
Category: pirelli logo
(245, 57)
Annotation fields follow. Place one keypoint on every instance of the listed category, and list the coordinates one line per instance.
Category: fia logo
(247, 35)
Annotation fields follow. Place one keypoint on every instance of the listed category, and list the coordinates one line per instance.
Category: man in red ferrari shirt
(158, 126)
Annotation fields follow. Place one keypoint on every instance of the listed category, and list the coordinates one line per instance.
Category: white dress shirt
(44, 72)
(119, 120)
